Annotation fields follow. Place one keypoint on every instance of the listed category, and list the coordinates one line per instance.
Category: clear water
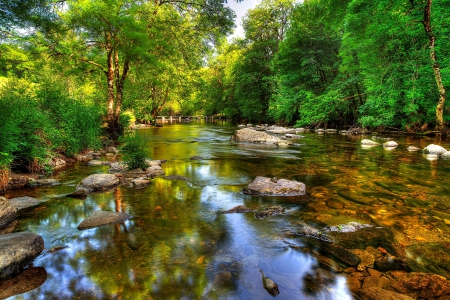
(176, 247)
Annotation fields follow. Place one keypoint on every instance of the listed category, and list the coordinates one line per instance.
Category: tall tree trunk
(435, 66)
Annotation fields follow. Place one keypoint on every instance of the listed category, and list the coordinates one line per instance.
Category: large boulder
(25, 202)
(7, 211)
(99, 218)
(275, 187)
(434, 149)
(94, 183)
(18, 250)
(248, 135)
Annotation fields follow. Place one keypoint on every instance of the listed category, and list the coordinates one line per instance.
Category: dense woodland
(74, 71)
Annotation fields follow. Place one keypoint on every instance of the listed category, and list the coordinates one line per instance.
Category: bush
(135, 153)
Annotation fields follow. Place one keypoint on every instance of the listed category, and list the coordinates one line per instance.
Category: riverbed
(177, 247)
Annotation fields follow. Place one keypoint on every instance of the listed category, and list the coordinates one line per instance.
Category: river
(177, 247)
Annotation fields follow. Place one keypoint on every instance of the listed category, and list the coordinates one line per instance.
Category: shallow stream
(177, 247)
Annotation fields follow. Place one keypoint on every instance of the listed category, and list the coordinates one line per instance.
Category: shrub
(135, 153)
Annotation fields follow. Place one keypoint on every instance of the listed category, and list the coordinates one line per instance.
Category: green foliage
(23, 130)
(75, 125)
(135, 152)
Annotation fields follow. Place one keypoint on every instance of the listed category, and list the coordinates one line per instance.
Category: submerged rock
(413, 148)
(422, 286)
(248, 135)
(140, 183)
(96, 163)
(236, 209)
(18, 250)
(177, 177)
(270, 211)
(7, 211)
(28, 280)
(275, 187)
(349, 227)
(270, 286)
(377, 293)
(434, 149)
(196, 157)
(99, 218)
(94, 183)
(42, 182)
(21, 203)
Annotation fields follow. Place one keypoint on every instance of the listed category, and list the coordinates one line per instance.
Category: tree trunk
(435, 66)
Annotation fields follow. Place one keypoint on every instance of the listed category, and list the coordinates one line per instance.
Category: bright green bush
(134, 149)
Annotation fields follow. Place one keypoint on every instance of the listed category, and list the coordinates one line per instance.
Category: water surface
(176, 247)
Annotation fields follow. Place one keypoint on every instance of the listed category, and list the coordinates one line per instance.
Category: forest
(75, 73)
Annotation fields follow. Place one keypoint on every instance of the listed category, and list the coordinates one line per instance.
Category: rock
(270, 211)
(390, 144)
(376, 293)
(349, 227)
(140, 183)
(28, 280)
(99, 218)
(242, 126)
(366, 142)
(56, 163)
(434, 149)
(21, 203)
(84, 157)
(94, 183)
(177, 177)
(413, 148)
(293, 136)
(423, 286)
(236, 209)
(112, 150)
(446, 154)
(365, 237)
(9, 227)
(42, 182)
(7, 211)
(389, 263)
(154, 171)
(249, 125)
(18, 250)
(300, 130)
(157, 162)
(275, 187)
(430, 256)
(331, 130)
(118, 167)
(196, 158)
(252, 136)
(96, 163)
(270, 286)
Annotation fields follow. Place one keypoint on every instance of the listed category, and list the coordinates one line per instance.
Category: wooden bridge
(164, 119)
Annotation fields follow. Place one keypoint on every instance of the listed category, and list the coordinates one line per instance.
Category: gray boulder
(18, 250)
(99, 218)
(434, 149)
(94, 183)
(252, 136)
(275, 187)
(21, 203)
(7, 211)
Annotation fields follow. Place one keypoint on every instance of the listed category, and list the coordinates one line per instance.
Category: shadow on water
(176, 247)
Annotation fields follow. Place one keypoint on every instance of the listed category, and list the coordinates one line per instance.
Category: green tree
(111, 35)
